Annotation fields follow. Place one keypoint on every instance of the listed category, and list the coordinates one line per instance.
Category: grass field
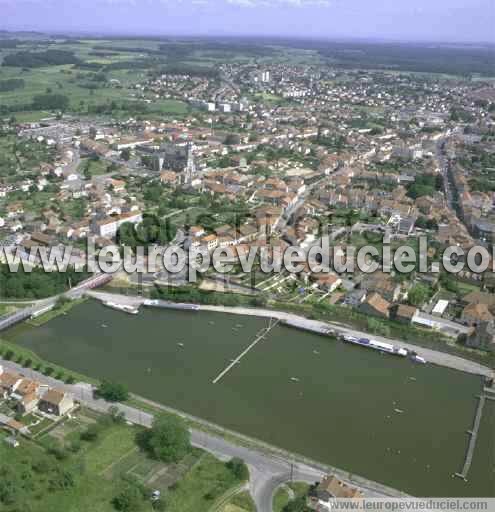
(284, 494)
(241, 502)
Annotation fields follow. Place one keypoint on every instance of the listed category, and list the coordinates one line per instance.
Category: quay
(316, 326)
(472, 440)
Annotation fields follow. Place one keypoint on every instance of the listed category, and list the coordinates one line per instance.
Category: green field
(98, 470)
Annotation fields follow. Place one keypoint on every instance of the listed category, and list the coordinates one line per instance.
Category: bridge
(14, 318)
(47, 304)
(260, 336)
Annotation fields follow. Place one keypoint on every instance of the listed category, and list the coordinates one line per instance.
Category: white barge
(131, 310)
(384, 347)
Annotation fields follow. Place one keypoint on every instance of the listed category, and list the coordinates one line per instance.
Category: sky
(399, 20)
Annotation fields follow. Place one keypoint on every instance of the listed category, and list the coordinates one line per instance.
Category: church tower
(190, 170)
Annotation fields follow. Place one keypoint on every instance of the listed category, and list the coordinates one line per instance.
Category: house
(197, 231)
(483, 337)
(475, 314)
(385, 287)
(405, 313)
(56, 402)
(376, 305)
(168, 177)
(480, 298)
(12, 426)
(28, 403)
(26, 395)
(327, 281)
(8, 383)
(107, 228)
(331, 487)
(211, 241)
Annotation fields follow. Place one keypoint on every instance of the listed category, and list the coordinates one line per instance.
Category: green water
(341, 411)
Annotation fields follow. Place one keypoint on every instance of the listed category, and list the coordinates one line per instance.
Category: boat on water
(180, 344)
(418, 359)
(398, 411)
(384, 348)
(294, 379)
(131, 310)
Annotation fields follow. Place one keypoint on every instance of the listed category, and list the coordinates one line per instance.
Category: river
(381, 417)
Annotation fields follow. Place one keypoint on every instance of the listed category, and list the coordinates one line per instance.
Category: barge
(131, 310)
(386, 348)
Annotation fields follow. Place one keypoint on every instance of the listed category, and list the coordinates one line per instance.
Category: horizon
(445, 22)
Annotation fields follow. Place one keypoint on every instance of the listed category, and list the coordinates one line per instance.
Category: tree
(238, 468)
(10, 485)
(418, 295)
(91, 433)
(129, 499)
(232, 139)
(112, 392)
(169, 439)
(297, 505)
(50, 102)
(126, 154)
(116, 414)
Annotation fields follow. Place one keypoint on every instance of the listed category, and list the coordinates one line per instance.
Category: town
(136, 383)
(276, 156)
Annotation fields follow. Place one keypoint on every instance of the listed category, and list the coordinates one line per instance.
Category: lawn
(241, 502)
(282, 498)
(206, 481)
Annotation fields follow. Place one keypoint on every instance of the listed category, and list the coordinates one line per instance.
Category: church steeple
(190, 170)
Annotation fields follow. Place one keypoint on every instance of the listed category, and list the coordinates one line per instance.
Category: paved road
(267, 471)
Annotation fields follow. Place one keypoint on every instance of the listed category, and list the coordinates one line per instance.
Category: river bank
(433, 356)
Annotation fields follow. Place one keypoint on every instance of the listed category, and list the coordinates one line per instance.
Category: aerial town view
(247, 255)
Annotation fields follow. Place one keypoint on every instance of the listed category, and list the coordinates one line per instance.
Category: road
(268, 469)
(40, 305)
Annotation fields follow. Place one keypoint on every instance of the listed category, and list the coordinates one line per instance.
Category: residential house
(56, 402)
(376, 305)
(328, 489)
(483, 337)
(9, 382)
(475, 314)
(405, 313)
(326, 281)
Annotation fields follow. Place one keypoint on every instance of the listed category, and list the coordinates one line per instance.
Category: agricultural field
(105, 72)
(101, 74)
